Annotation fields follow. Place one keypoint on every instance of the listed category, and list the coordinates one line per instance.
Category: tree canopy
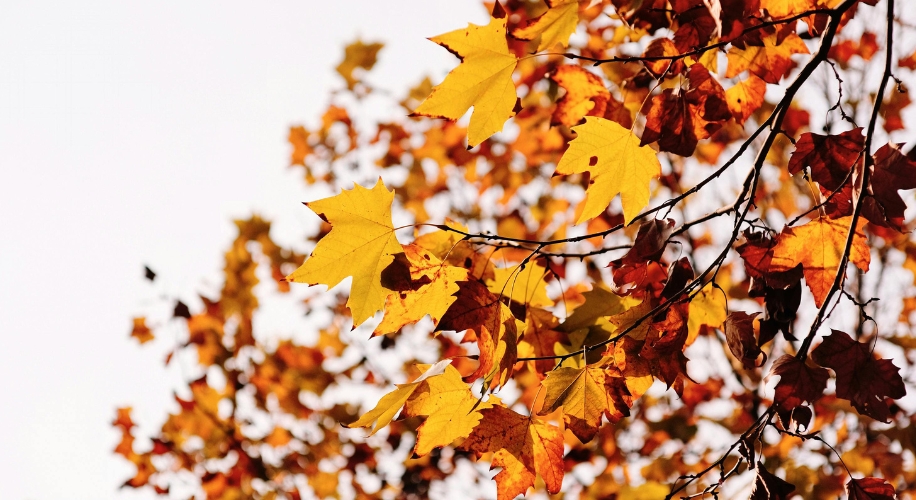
(624, 249)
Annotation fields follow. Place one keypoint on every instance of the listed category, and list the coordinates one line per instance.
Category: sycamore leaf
(892, 172)
(452, 410)
(436, 283)
(739, 334)
(585, 395)
(860, 378)
(830, 157)
(870, 488)
(392, 402)
(818, 247)
(617, 164)
(482, 80)
(707, 308)
(770, 487)
(798, 382)
(745, 97)
(522, 446)
(770, 58)
(678, 120)
(523, 285)
(554, 26)
(357, 55)
(585, 95)
(361, 244)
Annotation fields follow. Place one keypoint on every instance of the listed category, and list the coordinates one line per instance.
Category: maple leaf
(892, 171)
(745, 97)
(434, 284)
(770, 487)
(707, 308)
(357, 55)
(391, 403)
(451, 409)
(523, 285)
(677, 121)
(554, 26)
(585, 395)
(522, 446)
(739, 334)
(585, 95)
(830, 157)
(361, 244)
(818, 246)
(870, 488)
(860, 378)
(617, 164)
(780, 9)
(482, 80)
(799, 383)
(769, 58)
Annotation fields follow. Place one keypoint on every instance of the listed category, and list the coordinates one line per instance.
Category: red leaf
(892, 171)
(830, 157)
(798, 382)
(739, 333)
(860, 378)
(870, 488)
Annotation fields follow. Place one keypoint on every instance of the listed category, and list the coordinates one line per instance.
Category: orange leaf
(141, 332)
(745, 97)
(357, 55)
(770, 58)
(818, 246)
(522, 446)
(585, 394)
(585, 95)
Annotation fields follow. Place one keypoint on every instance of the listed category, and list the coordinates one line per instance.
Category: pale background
(132, 133)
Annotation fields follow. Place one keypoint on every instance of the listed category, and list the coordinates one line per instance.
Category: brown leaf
(798, 382)
(739, 333)
(870, 488)
(770, 487)
(860, 378)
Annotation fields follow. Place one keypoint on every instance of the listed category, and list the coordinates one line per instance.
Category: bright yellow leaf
(482, 80)
(617, 164)
(452, 410)
(706, 308)
(525, 286)
(585, 395)
(392, 402)
(554, 26)
(361, 244)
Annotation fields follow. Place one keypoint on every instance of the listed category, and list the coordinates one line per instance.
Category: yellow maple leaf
(522, 446)
(617, 164)
(818, 246)
(706, 308)
(432, 298)
(357, 55)
(585, 395)
(554, 26)
(482, 80)
(451, 409)
(525, 286)
(391, 403)
(361, 244)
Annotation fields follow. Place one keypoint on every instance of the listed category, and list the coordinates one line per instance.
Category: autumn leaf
(892, 172)
(770, 58)
(798, 383)
(745, 97)
(585, 95)
(707, 308)
(523, 285)
(554, 26)
(391, 403)
(739, 334)
(617, 164)
(357, 55)
(830, 157)
(870, 488)
(770, 487)
(818, 246)
(361, 244)
(678, 120)
(451, 409)
(432, 290)
(585, 394)
(522, 446)
(780, 9)
(860, 378)
(482, 80)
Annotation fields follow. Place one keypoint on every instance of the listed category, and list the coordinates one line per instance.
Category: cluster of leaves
(669, 342)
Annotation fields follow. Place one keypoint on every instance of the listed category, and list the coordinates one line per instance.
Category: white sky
(132, 133)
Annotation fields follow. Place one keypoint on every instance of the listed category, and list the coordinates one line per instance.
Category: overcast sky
(132, 133)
